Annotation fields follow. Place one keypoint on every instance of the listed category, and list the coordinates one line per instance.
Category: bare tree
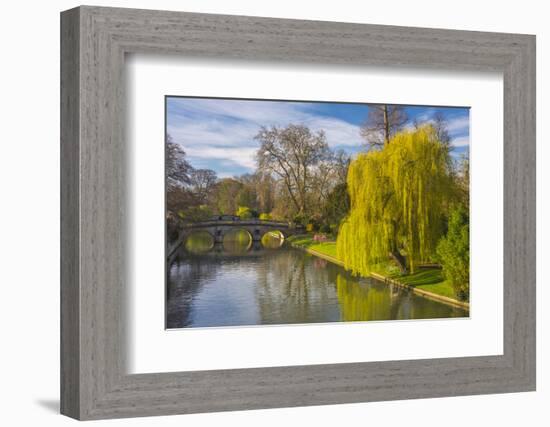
(178, 200)
(329, 173)
(202, 182)
(290, 154)
(439, 122)
(382, 123)
(440, 125)
(341, 161)
(265, 189)
(177, 167)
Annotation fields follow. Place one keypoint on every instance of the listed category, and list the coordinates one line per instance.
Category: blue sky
(218, 134)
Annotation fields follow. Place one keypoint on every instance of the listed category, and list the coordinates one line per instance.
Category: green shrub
(453, 252)
(244, 212)
(325, 228)
(265, 216)
(300, 219)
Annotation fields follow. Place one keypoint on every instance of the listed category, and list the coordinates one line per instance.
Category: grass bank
(427, 280)
(306, 241)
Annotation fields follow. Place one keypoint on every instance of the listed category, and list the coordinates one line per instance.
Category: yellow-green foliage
(398, 197)
(244, 212)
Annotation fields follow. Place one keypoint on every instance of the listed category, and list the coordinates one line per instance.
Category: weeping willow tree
(398, 196)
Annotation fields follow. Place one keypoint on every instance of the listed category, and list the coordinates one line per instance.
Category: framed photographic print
(262, 213)
(275, 210)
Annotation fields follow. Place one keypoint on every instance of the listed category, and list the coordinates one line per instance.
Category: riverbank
(428, 282)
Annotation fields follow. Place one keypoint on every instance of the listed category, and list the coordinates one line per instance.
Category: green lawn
(306, 241)
(428, 279)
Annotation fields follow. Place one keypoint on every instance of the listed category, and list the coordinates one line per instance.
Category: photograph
(296, 212)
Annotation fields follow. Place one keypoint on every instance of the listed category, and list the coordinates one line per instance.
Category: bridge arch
(237, 239)
(272, 239)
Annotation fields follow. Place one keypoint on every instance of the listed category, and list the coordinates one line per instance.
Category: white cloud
(259, 112)
(210, 129)
(462, 141)
(459, 125)
(197, 133)
(338, 132)
(240, 156)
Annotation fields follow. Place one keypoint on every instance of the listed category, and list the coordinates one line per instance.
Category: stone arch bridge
(218, 229)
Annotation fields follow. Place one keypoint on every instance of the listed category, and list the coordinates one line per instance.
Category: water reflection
(369, 299)
(199, 242)
(250, 283)
(272, 240)
(237, 241)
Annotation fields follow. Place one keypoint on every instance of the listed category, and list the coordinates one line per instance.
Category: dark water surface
(240, 283)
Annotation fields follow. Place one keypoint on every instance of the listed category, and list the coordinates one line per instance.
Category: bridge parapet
(244, 222)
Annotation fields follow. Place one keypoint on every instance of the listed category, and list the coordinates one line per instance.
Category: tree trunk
(399, 260)
(291, 194)
(386, 126)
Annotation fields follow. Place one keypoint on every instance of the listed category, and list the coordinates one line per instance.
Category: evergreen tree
(454, 252)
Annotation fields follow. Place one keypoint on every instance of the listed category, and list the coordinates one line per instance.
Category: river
(240, 283)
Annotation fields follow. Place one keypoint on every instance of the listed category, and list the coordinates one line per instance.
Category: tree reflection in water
(369, 299)
(290, 287)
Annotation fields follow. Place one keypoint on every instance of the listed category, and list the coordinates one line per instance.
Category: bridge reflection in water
(237, 241)
(223, 230)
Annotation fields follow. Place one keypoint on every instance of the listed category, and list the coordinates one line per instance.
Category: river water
(240, 283)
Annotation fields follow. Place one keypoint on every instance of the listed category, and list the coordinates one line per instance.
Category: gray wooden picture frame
(94, 41)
